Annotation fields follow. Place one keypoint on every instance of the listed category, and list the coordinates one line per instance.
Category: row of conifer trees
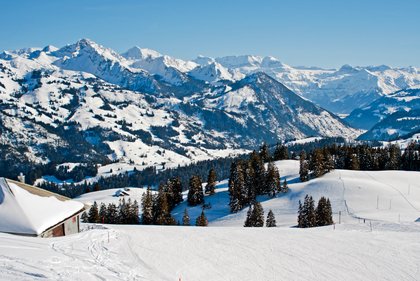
(358, 157)
(311, 216)
(255, 216)
(126, 212)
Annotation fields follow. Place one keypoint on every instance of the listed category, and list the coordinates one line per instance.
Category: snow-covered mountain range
(85, 102)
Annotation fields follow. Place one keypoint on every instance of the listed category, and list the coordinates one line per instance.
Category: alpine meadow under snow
(376, 240)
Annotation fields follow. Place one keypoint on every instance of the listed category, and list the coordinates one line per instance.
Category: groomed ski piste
(375, 237)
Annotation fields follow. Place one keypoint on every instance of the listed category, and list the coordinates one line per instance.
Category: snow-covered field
(378, 238)
(111, 195)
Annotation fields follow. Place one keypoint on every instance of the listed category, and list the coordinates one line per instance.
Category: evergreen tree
(164, 216)
(103, 214)
(186, 218)
(249, 191)
(211, 182)
(264, 153)
(257, 215)
(285, 187)
(236, 187)
(177, 190)
(271, 220)
(124, 211)
(201, 220)
(195, 193)
(248, 220)
(134, 213)
(307, 216)
(112, 213)
(147, 207)
(94, 213)
(272, 183)
(281, 152)
(300, 215)
(354, 162)
(328, 161)
(303, 167)
(259, 173)
(84, 217)
(323, 212)
(394, 158)
(317, 162)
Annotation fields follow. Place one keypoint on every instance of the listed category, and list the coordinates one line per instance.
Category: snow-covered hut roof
(25, 209)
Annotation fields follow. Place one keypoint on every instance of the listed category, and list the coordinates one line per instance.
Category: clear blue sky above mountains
(306, 32)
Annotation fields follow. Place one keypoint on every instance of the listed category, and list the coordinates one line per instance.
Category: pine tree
(249, 187)
(134, 213)
(300, 215)
(84, 217)
(147, 207)
(164, 216)
(264, 153)
(186, 218)
(124, 211)
(272, 183)
(259, 173)
(271, 220)
(257, 215)
(310, 212)
(328, 161)
(281, 152)
(323, 212)
(317, 163)
(103, 214)
(211, 182)
(112, 213)
(195, 193)
(307, 216)
(94, 213)
(354, 162)
(303, 167)
(328, 213)
(248, 220)
(177, 190)
(285, 187)
(201, 220)
(394, 158)
(236, 187)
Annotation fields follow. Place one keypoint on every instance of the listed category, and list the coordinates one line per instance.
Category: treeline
(126, 212)
(156, 208)
(249, 178)
(358, 157)
(148, 177)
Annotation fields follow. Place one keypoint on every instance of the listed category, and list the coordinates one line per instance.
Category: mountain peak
(137, 53)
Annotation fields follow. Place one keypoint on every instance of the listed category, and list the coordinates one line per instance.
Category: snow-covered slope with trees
(376, 240)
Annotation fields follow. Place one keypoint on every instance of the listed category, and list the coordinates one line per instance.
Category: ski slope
(392, 196)
(378, 238)
(214, 253)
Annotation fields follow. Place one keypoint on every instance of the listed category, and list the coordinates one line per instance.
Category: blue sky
(324, 33)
